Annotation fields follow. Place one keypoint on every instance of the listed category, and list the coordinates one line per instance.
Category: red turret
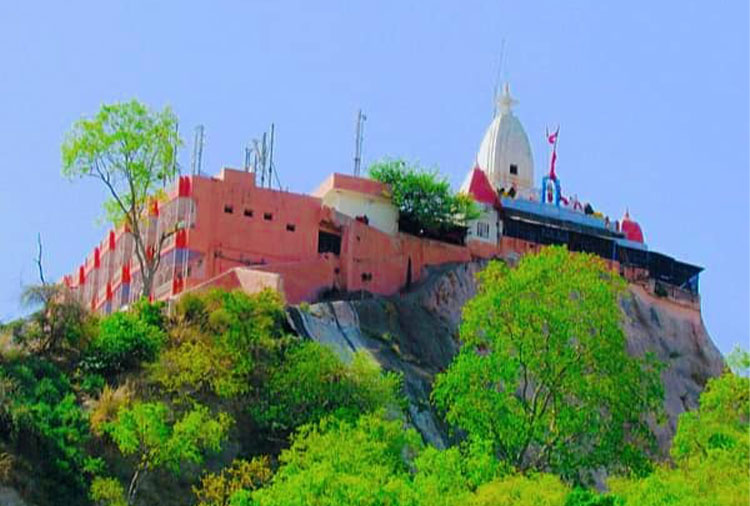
(481, 189)
(631, 229)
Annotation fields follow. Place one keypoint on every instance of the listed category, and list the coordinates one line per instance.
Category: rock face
(416, 333)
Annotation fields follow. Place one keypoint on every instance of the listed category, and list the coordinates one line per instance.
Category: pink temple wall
(238, 235)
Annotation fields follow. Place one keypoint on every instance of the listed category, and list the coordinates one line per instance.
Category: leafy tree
(522, 490)
(544, 373)
(144, 431)
(217, 489)
(449, 477)
(131, 150)
(311, 382)
(41, 420)
(125, 340)
(341, 463)
(423, 196)
(710, 451)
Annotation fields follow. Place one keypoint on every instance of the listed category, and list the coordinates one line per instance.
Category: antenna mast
(358, 142)
(261, 153)
(270, 157)
(197, 159)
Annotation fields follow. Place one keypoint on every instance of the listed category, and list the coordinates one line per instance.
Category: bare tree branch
(39, 259)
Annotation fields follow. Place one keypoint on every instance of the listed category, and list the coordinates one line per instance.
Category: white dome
(505, 152)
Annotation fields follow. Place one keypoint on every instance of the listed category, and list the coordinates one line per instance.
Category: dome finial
(506, 101)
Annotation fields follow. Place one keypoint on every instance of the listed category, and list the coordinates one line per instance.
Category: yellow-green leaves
(129, 148)
(544, 373)
(424, 197)
(710, 451)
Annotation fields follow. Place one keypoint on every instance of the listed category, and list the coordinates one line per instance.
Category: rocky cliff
(416, 333)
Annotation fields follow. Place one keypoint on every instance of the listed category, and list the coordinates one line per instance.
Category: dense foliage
(145, 432)
(312, 381)
(711, 451)
(41, 421)
(544, 373)
(124, 341)
(424, 197)
(222, 342)
(231, 410)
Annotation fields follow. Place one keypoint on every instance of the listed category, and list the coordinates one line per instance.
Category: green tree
(312, 382)
(145, 433)
(125, 339)
(424, 197)
(544, 373)
(340, 463)
(710, 451)
(132, 152)
(42, 423)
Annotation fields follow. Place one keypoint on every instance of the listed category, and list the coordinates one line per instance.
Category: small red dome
(631, 229)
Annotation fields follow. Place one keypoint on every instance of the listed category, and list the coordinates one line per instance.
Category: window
(514, 169)
(228, 208)
(329, 243)
(290, 227)
(268, 216)
(483, 229)
(248, 213)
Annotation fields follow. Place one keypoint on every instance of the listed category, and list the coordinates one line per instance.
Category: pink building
(345, 236)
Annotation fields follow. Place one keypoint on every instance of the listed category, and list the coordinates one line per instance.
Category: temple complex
(346, 235)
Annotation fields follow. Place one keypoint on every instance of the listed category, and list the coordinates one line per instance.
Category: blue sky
(652, 99)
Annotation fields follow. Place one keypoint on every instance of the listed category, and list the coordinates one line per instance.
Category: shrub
(107, 492)
(45, 424)
(124, 341)
(93, 383)
(223, 341)
(150, 312)
(312, 382)
(108, 405)
(216, 489)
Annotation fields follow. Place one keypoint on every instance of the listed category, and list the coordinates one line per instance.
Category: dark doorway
(329, 243)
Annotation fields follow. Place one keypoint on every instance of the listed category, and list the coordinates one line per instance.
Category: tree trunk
(133, 487)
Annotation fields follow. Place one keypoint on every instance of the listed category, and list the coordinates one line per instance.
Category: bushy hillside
(221, 402)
